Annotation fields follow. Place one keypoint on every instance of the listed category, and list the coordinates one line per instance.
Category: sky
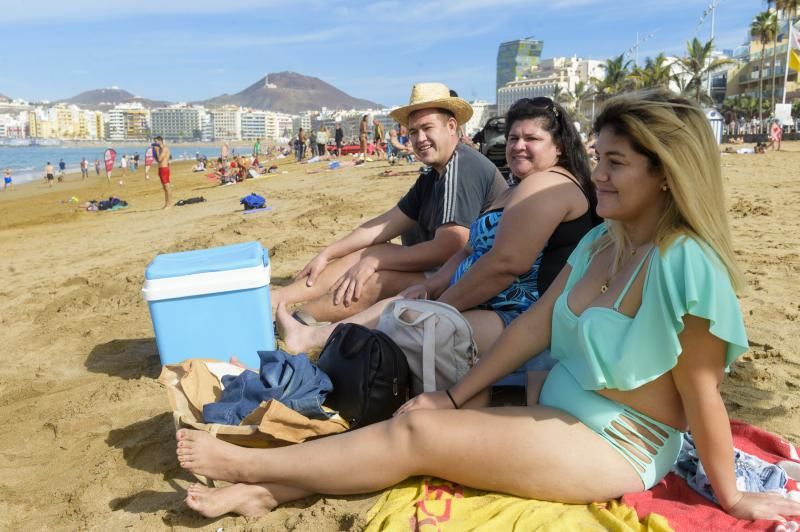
(189, 50)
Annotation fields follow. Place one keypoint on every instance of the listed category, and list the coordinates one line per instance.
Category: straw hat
(433, 96)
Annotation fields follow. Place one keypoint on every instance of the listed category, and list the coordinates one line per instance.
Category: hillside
(105, 99)
(290, 92)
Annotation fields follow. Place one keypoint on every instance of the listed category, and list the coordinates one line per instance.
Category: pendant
(604, 288)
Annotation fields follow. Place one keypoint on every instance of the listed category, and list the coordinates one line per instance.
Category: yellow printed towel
(433, 505)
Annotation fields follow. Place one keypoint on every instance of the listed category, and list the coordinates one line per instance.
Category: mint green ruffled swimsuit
(605, 349)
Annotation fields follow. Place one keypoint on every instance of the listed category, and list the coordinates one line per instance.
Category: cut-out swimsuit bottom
(650, 446)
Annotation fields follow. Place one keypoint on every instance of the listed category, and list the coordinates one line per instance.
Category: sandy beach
(89, 441)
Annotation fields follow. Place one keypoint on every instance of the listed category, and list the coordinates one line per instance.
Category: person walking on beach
(148, 161)
(162, 156)
(62, 168)
(433, 218)
(84, 169)
(379, 137)
(775, 135)
(123, 163)
(257, 148)
(7, 182)
(97, 166)
(135, 162)
(300, 145)
(362, 137)
(338, 137)
(49, 173)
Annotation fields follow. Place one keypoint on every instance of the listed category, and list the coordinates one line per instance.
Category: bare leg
(248, 500)
(167, 196)
(383, 284)
(470, 447)
(300, 338)
(299, 292)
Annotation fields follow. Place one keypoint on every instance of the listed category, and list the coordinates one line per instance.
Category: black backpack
(369, 373)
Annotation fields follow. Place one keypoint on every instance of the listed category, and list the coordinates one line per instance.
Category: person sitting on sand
(517, 247)
(364, 267)
(643, 321)
(397, 146)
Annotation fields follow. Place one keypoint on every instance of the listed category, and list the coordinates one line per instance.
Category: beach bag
(194, 383)
(253, 201)
(437, 341)
(368, 371)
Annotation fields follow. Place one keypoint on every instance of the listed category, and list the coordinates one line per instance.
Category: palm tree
(582, 91)
(616, 79)
(763, 27)
(655, 73)
(560, 95)
(774, 50)
(698, 63)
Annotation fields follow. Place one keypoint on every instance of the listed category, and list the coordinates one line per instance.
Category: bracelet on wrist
(455, 405)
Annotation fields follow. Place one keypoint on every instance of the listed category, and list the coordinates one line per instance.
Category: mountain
(4, 98)
(290, 92)
(105, 99)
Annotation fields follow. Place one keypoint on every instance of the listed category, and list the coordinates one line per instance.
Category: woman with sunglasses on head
(516, 247)
(643, 320)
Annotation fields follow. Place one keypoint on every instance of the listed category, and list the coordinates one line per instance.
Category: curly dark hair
(557, 121)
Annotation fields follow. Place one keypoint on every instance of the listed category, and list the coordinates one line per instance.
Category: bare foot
(202, 454)
(238, 363)
(296, 336)
(249, 500)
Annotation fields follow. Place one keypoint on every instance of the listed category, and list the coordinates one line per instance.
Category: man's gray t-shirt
(468, 186)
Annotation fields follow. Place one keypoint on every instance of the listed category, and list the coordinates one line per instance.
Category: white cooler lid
(206, 283)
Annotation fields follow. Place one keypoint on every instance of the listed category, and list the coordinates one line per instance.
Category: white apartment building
(279, 126)
(128, 121)
(299, 121)
(13, 127)
(254, 125)
(226, 123)
(481, 112)
(551, 74)
(177, 122)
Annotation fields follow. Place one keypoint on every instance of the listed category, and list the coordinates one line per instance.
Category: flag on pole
(110, 156)
(794, 49)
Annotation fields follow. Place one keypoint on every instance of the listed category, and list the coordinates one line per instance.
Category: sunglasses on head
(542, 102)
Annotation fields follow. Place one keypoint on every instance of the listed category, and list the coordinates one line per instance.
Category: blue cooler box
(211, 303)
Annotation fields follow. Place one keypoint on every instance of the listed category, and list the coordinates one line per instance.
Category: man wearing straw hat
(434, 216)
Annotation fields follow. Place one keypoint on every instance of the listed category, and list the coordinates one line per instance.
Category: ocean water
(27, 162)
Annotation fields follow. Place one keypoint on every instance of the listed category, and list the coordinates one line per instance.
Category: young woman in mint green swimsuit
(643, 321)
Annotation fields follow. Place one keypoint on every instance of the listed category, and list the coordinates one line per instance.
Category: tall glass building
(515, 59)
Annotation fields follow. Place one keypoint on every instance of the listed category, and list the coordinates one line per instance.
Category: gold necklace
(604, 286)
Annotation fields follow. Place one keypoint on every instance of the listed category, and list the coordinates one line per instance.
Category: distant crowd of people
(393, 145)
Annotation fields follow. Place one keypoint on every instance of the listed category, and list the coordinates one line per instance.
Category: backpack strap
(428, 341)
(429, 353)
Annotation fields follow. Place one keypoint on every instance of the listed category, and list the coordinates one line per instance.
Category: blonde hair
(675, 136)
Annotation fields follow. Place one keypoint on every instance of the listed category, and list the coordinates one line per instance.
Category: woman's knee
(411, 429)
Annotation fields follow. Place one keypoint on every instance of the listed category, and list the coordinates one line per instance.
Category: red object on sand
(685, 509)
(349, 149)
